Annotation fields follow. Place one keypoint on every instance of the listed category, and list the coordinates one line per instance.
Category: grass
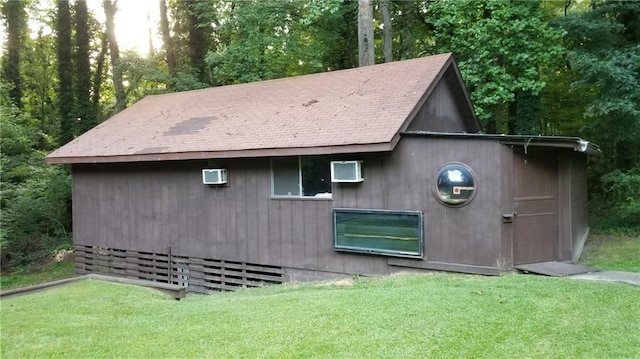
(442, 316)
(48, 273)
(612, 252)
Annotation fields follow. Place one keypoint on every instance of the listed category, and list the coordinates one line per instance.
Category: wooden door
(534, 203)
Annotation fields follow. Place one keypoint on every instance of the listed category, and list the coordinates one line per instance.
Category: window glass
(397, 233)
(286, 176)
(301, 176)
(455, 184)
(316, 176)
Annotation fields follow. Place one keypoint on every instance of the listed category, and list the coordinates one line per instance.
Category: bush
(35, 199)
(35, 218)
(619, 207)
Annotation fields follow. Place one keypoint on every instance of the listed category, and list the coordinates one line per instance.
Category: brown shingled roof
(355, 110)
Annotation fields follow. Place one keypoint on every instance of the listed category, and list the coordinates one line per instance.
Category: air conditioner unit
(214, 176)
(346, 171)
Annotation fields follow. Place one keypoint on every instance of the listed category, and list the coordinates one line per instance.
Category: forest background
(537, 67)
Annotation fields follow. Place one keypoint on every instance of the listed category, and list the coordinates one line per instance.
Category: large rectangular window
(301, 176)
(396, 233)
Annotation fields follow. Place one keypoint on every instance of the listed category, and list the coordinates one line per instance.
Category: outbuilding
(363, 171)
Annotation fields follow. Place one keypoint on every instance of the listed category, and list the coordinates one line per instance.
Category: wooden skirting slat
(197, 274)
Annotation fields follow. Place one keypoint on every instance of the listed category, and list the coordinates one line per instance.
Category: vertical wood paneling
(298, 237)
(507, 207)
(243, 172)
(286, 232)
(166, 204)
(264, 192)
(376, 183)
(565, 225)
(274, 249)
(469, 234)
(250, 249)
(311, 234)
(169, 193)
(535, 193)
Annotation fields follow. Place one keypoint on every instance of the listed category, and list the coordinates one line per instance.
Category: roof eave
(575, 143)
(182, 156)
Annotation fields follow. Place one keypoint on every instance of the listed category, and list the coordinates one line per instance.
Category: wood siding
(164, 208)
(157, 207)
(535, 176)
(445, 110)
(572, 206)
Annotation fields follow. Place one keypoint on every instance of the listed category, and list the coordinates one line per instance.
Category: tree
(167, 41)
(366, 44)
(199, 36)
(259, 40)
(500, 48)
(64, 48)
(387, 31)
(99, 73)
(603, 69)
(84, 110)
(33, 196)
(40, 80)
(604, 55)
(15, 18)
(110, 9)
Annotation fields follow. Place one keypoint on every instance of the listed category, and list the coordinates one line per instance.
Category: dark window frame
(378, 251)
(300, 179)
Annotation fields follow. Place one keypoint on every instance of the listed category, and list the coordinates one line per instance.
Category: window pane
(286, 176)
(381, 232)
(316, 177)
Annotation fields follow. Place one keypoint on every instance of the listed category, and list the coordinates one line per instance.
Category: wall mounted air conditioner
(214, 176)
(346, 171)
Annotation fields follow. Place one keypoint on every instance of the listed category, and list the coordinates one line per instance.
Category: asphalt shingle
(360, 106)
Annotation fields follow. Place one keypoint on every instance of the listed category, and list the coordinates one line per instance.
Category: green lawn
(52, 272)
(441, 316)
(612, 252)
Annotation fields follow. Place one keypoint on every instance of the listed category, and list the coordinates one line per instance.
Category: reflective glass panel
(455, 184)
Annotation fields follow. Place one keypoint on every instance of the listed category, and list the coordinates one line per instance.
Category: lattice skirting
(199, 275)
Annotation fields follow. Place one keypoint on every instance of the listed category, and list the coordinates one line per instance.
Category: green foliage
(14, 18)
(34, 197)
(272, 39)
(429, 316)
(604, 54)
(500, 47)
(64, 51)
(601, 79)
(619, 201)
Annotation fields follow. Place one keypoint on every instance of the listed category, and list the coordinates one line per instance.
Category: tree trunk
(198, 41)
(166, 39)
(83, 69)
(15, 18)
(150, 35)
(365, 34)
(110, 8)
(97, 78)
(387, 31)
(65, 71)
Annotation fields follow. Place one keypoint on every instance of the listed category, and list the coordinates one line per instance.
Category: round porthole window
(455, 184)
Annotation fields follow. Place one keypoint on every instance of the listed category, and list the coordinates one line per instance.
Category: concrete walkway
(610, 276)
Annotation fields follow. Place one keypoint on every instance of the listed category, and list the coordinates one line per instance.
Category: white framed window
(301, 176)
